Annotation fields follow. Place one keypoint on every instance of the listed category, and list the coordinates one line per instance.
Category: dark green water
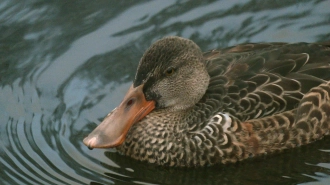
(64, 65)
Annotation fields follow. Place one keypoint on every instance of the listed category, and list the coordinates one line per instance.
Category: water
(64, 65)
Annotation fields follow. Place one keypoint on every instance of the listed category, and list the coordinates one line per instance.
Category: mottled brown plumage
(230, 104)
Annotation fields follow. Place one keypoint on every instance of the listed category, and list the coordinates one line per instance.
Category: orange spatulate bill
(113, 129)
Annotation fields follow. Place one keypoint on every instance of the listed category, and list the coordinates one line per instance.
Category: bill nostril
(130, 102)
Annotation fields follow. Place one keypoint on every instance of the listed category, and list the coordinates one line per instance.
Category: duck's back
(277, 95)
(266, 79)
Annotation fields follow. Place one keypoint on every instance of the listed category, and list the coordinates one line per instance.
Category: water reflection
(65, 65)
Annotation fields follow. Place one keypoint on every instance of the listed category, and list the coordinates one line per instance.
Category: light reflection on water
(64, 66)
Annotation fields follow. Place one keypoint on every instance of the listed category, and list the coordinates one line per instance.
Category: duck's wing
(262, 98)
(258, 80)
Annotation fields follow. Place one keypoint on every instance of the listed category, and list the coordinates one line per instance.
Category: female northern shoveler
(186, 108)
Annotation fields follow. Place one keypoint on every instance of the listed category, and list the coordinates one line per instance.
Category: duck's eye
(169, 71)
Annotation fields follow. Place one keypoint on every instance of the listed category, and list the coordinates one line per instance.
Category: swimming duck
(189, 108)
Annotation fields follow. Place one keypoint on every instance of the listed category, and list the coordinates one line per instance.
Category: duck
(186, 108)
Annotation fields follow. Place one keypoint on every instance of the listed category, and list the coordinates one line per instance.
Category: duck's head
(171, 76)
